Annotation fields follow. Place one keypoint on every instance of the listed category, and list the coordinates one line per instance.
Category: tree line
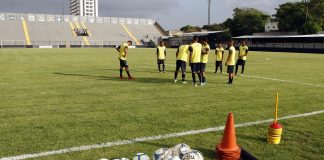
(306, 17)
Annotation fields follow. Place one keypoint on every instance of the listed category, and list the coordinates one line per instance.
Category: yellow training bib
(219, 54)
(161, 52)
(231, 54)
(183, 53)
(243, 50)
(196, 53)
(122, 52)
(204, 57)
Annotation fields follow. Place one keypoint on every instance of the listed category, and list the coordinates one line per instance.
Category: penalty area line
(274, 79)
(287, 81)
(152, 138)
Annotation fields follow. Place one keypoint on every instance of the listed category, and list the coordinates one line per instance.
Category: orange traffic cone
(228, 149)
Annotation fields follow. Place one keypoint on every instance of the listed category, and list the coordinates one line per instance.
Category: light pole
(209, 9)
(63, 8)
(307, 3)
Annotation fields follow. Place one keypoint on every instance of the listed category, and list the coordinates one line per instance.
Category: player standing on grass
(161, 55)
(195, 59)
(123, 51)
(182, 58)
(219, 51)
(230, 62)
(243, 52)
(204, 60)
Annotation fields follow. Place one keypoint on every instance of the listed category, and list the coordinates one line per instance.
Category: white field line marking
(274, 79)
(152, 138)
(280, 80)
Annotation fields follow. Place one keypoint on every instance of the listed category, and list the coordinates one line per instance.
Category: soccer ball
(170, 157)
(168, 154)
(199, 154)
(193, 155)
(141, 156)
(160, 154)
(181, 149)
(121, 159)
(190, 156)
(174, 158)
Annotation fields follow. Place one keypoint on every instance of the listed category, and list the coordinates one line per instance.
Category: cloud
(263, 5)
(138, 8)
(33, 6)
(118, 8)
(172, 14)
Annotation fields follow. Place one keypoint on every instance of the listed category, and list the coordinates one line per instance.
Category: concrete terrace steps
(49, 33)
(11, 30)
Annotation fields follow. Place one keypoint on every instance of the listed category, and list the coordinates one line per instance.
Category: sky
(171, 14)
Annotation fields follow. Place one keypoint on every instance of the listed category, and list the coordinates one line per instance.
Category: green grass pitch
(60, 98)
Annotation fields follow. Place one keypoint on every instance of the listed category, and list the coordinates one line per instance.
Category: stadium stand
(11, 33)
(36, 30)
(47, 33)
(110, 33)
(145, 33)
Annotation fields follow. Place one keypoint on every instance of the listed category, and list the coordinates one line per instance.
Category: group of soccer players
(196, 54)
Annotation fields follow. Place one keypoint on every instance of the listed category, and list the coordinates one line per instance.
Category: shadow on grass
(254, 138)
(141, 71)
(207, 153)
(136, 80)
(152, 71)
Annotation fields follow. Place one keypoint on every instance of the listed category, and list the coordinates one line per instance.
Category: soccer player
(219, 57)
(230, 62)
(243, 52)
(123, 51)
(204, 60)
(182, 58)
(195, 59)
(161, 54)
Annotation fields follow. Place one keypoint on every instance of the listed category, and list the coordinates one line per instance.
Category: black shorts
(240, 62)
(182, 65)
(230, 69)
(203, 67)
(160, 61)
(195, 67)
(219, 63)
(123, 63)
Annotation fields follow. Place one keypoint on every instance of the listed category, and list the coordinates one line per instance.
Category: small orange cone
(228, 149)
